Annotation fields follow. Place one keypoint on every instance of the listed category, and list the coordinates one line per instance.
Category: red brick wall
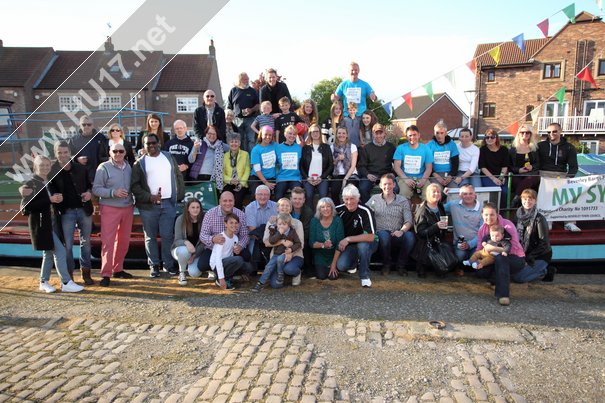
(444, 110)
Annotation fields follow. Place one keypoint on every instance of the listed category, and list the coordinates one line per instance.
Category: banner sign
(572, 199)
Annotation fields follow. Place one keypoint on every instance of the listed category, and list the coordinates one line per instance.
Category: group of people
(347, 158)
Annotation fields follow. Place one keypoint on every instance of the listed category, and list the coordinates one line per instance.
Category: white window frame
(592, 145)
(134, 102)
(111, 102)
(70, 103)
(557, 108)
(598, 103)
(186, 104)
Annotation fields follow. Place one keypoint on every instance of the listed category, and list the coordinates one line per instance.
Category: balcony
(593, 124)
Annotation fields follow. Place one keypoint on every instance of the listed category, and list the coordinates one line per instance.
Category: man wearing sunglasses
(558, 158)
(210, 113)
(86, 145)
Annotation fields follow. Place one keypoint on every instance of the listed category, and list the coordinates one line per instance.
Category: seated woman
(428, 226)
(316, 165)
(324, 236)
(187, 247)
(468, 160)
(236, 170)
(294, 266)
(44, 228)
(116, 136)
(153, 126)
(206, 158)
(263, 159)
(329, 126)
(344, 155)
(524, 163)
(532, 228)
(494, 163)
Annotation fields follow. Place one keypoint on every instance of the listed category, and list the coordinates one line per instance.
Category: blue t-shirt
(356, 92)
(442, 155)
(288, 158)
(266, 156)
(413, 161)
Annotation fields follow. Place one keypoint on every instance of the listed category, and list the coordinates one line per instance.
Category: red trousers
(116, 225)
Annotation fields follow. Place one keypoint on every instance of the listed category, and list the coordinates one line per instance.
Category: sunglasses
(115, 130)
(522, 132)
(86, 124)
(209, 96)
(553, 131)
(118, 151)
(490, 137)
(151, 143)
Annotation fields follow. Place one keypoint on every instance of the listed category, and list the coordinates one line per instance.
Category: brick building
(426, 113)
(143, 81)
(521, 82)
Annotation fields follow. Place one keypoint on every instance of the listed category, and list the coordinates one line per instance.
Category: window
(70, 103)
(489, 110)
(601, 70)
(111, 102)
(552, 70)
(593, 104)
(591, 145)
(491, 76)
(133, 101)
(186, 104)
(528, 110)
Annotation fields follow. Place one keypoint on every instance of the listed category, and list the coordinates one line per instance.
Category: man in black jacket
(210, 114)
(376, 159)
(87, 147)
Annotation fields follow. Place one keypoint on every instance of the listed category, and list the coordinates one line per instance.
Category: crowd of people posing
(363, 185)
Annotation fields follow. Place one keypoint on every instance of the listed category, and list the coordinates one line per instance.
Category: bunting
(408, 100)
(388, 107)
(472, 65)
(495, 54)
(534, 115)
(428, 87)
(586, 75)
(520, 42)
(513, 128)
(560, 95)
(451, 77)
(570, 12)
(544, 27)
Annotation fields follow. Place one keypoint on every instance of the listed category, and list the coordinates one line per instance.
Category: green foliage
(321, 92)
(381, 114)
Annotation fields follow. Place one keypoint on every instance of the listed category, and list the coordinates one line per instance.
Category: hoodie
(560, 157)
(445, 156)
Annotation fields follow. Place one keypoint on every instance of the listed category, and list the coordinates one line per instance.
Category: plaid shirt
(214, 223)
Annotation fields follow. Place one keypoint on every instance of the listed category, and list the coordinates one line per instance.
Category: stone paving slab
(79, 360)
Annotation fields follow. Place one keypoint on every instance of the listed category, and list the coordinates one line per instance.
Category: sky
(400, 45)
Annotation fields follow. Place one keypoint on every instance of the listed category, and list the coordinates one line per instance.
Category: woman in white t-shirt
(344, 154)
(316, 165)
(468, 160)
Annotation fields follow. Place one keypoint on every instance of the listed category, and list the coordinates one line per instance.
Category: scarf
(345, 150)
(217, 173)
(234, 175)
(525, 224)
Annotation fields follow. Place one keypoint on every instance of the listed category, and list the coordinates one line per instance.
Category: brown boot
(86, 277)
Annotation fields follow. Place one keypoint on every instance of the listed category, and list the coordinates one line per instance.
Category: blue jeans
(354, 251)
(247, 135)
(275, 265)
(486, 181)
(57, 256)
(281, 187)
(403, 245)
(531, 273)
(505, 268)
(159, 220)
(69, 220)
(474, 180)
(292, 268)
(322, 190)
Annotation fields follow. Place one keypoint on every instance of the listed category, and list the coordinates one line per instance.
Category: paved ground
(151, 340)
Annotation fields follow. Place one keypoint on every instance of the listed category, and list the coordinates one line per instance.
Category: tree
(321, 92)
(381, 114)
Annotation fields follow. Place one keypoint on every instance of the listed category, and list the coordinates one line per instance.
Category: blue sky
(400, 45)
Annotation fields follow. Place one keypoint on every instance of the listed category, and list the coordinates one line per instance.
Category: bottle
(526, 160)
(460, 241)
(159, 195)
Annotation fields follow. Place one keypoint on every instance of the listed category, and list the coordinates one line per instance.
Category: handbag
(441, 256)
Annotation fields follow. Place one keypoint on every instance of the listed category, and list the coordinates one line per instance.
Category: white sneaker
(46, 287)
(296, 280)
(366, 282)
(475, 265)
(211, 275)
(352, 271)
(71, 287)
(466, 262)
(572, 227)
(182, 279)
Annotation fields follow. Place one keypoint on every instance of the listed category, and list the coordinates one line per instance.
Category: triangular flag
(408, 100)
(534, 115)
(428, 87)
(585, 75)
(472, 65)
(388, 109)
(544, 27)
(560, 95)
(451, 77)
(513, 128)
(495, 54)
(520, 42)
(570, 12)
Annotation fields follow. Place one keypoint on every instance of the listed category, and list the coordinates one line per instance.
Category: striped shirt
(265, 120)
(391, 216)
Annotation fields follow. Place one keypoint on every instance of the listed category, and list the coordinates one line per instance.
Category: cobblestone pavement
(79, 360)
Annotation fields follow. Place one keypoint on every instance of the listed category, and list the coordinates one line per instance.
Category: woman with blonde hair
(333, 122)
(115, 134)
(524, 163)
(344, 155)
(308, 112)
(316, 165)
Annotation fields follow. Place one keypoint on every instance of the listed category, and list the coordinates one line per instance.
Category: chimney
(212, 49)
(108, 45)
(1, 43)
